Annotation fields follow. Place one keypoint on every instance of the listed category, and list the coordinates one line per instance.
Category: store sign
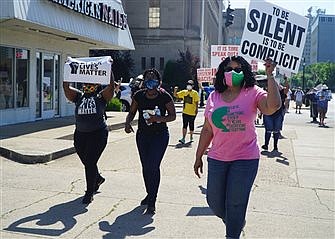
(96, 70)
(99, 11)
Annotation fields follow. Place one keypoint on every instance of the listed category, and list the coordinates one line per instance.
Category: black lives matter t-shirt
(89, 112)
(149, 105)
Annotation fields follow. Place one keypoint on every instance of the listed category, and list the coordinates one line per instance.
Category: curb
(33, 159)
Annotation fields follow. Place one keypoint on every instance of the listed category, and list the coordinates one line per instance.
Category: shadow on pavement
(200, 211)
(63, 213)
(180, 145)
(132, 223)
(278, 155)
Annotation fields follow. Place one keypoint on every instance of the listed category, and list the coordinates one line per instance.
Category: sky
(298, 6)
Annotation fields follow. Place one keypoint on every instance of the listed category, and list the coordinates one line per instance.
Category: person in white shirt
(298, 100)
(287, 100)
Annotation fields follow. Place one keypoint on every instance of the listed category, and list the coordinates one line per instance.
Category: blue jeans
(228, 189)
(151, 148)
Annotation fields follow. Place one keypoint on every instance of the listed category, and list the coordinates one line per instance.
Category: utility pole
(220, 22)
(202, 34)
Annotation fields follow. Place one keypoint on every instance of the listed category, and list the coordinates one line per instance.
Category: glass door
(47, 85)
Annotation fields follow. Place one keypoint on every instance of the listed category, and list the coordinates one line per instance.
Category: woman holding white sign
(91, 133)
(229, 126)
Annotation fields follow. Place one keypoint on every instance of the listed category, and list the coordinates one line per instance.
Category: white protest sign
(96, 70)
(274, 32)
(206, 74)
(220, 52)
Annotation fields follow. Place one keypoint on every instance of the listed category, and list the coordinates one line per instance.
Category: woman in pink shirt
(229, 126)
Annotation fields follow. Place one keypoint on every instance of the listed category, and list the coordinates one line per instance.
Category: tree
(123, 64)
(178, 72)
(318, 73)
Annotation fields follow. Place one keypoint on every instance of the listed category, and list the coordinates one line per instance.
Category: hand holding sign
(270, 65)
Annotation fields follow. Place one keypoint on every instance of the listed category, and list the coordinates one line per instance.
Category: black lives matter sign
(274, 32)
(95, 70)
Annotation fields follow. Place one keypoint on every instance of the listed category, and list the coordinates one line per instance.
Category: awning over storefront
(100, 23)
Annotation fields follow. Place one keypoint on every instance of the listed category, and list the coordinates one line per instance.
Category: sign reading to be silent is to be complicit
(274, 32)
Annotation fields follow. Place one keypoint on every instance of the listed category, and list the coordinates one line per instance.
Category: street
(293, 195)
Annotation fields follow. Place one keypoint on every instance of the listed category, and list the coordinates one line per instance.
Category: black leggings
(188, 119)
(89, 147)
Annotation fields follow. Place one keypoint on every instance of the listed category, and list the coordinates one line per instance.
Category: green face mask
(233, 78)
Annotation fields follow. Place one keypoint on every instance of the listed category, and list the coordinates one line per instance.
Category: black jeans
(89, 147)
(151, 148)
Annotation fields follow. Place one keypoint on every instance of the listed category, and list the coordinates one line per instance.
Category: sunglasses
(89, 88)
(237, 70)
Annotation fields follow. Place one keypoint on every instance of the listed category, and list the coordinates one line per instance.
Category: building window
(152, 62)
(330, 19)
(14, 71)
(154, 13)
(322, 19)
(143, 63)
(161, 63)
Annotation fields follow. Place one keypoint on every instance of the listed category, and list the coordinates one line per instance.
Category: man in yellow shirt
(190, 99)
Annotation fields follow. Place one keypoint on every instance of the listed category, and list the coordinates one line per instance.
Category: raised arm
(108, 92)
(70, 92)
(272, 102)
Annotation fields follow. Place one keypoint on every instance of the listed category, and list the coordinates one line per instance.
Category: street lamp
(303, 74)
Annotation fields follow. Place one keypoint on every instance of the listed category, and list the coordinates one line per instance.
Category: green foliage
(123, 64)
(261, 72)
(172, 75)
(177, 73)
(114, 105)
(318, 73)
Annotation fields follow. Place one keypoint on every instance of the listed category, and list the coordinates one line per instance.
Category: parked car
(125, 97)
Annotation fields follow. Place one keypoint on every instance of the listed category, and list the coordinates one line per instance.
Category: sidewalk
(45, 140)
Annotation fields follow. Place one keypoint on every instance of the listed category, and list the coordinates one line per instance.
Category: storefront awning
(100, 23)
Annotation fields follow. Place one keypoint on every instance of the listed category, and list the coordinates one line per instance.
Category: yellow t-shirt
(191, 99)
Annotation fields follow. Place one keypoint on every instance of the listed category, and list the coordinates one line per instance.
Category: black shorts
(188, 120)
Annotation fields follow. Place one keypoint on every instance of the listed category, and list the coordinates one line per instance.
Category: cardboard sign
(220, 52)
(274, 32)
(206, 74)
(96, 70)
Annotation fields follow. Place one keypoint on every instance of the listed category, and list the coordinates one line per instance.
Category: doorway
(47, 85)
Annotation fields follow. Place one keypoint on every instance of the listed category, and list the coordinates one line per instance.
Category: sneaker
(144, 201)
(182, 141)
(100, 181)
(151, 209)
(265, 147)
(88, 198)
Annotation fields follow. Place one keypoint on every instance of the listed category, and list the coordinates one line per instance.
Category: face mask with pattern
(233, 78)
(89, 88)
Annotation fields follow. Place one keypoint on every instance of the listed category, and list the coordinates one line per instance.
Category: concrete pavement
(293, 195)
(45, 140)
